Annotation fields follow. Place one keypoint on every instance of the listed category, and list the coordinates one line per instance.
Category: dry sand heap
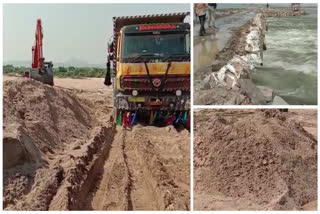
(253, 160)
(49, 137)
(62, 151)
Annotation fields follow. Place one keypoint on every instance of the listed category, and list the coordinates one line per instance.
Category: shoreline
(228, 81)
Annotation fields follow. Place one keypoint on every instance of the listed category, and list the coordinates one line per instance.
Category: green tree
(71, 68)
(62, 69)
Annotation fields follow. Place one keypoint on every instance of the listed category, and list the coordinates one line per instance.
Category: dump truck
(150, 59)
(40, 70)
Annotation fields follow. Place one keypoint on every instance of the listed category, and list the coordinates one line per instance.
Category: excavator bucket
(44, 75)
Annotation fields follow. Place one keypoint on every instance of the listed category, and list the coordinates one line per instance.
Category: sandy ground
(255, 160)
(62, 151)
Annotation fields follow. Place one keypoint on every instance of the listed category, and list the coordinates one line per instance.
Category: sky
(73, 33)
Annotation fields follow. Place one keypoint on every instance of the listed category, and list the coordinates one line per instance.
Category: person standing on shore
(200, 10)
(212, 15)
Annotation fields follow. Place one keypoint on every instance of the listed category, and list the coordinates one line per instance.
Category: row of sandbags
(241, 66)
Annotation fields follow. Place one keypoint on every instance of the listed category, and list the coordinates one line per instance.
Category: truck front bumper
(149, 102)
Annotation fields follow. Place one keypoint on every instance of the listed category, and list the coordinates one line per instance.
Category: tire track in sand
(112, 192)
(126, 184)
(136, 174)
(144, 191)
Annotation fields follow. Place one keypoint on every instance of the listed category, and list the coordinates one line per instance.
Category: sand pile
(253, 160)
(38, 120)
(43, 127)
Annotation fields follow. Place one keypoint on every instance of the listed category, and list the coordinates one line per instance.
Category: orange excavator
(40, 70)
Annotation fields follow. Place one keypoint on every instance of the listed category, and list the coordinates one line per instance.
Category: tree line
(72, 72)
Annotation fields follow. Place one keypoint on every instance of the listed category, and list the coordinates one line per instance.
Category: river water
(290, 62)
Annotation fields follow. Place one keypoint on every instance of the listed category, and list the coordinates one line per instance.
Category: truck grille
(145, 83)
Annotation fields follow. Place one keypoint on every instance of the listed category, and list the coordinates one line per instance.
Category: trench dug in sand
(255, 160)
(62, 151)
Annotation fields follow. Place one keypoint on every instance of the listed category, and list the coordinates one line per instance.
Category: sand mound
(253, 160)
(38, 120)
(41, 125)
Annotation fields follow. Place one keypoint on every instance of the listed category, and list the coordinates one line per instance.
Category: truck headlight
(123, 103)
(187, 104)
(134, 93)
(178, 93)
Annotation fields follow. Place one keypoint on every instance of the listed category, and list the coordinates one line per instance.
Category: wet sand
(206, 47)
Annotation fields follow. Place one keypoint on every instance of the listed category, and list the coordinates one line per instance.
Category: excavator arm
(37, 55)
(40, 70)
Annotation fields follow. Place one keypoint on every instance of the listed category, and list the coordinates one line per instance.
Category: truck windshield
(155, 45)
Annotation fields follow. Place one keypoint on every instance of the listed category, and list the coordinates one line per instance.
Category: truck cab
(151, 64)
